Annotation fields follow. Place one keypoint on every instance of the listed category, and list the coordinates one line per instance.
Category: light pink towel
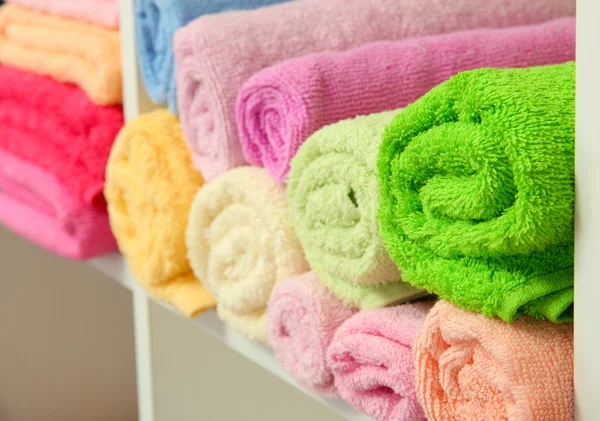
(35, 205)
(281, 106)
(470, 367)
(216, 54)
(303, 317)
(371, 359)
(103, 12)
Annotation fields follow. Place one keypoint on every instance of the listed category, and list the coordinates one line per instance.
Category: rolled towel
(281, 106)
(472, 367)
(56, 127)
(102, 12)
(303, 317)
(37, 206)
(371, 359)
(155, 22)
(208, 83)
(150, 185)
(333, 197)
(76, 52)
(241, 243)
(477, 191)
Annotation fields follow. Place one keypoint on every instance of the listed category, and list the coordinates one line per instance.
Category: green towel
(477, 191)
(333, 199)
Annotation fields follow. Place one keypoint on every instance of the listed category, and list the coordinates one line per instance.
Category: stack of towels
(60, 112)
(381, 191)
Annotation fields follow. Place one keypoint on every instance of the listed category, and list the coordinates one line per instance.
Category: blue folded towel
(156, 22)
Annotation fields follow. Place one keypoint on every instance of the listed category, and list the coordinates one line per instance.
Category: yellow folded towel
(241, 242)
(150, 185)
(71, 51)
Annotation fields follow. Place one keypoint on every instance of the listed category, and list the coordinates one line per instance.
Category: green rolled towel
(333, 200)
(477, 191)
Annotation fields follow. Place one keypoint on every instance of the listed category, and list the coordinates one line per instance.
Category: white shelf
(115, 267)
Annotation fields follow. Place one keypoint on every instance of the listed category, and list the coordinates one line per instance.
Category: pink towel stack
(282, 105)
(102, 12)
(371, 359)
(216, 54)
(303, 317)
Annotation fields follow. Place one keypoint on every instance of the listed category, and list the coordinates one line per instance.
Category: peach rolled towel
(303, 317)
(216, 54)
(470, 367)
(68, 50)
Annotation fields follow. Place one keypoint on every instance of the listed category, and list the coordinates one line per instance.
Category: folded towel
(156, 22)
(150, 185)
(371, 359)
(37, 206)
(240, 243)
(303, 317)
(68, 50)
(57, 128)
(477, 191)
(281, 106)
(216, 54)
(333, 197)
(474, 368)
(103, 12)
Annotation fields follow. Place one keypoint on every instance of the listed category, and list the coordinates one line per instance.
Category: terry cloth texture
(474, 368)
(150, 185)
(333, 198)
(371, 359)
(241, 243)
(102, 12)
(282, 105)
(303, 317)
(156, 21)
(71, 51)
(216, 54)
(55, 127)
(477, 191)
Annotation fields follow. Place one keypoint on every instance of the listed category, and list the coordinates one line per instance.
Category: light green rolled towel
(333, 199)
(477, 191)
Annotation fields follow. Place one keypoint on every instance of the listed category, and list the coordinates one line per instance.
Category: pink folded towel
(103, 12)
(470, 367)
(35, 205)
(56, 127)
(371, 359)
(303, 317)
(216, 54)
(281, 106)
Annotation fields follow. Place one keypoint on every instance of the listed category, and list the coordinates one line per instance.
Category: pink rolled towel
(303, 317)
(371, 359)
(470, 367)
(103, 12)
(281, 106)
(216, 54)
(37, 206)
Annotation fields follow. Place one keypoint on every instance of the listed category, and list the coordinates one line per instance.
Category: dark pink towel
(372, 361)
(216, 54)
(279, 107)
(56, 127)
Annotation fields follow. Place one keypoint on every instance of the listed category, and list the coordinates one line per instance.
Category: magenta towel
(102, 12)
(57, 128)
(216, 54)
(372, 362)
(35, 205)
(303, 317)
(281, 106)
